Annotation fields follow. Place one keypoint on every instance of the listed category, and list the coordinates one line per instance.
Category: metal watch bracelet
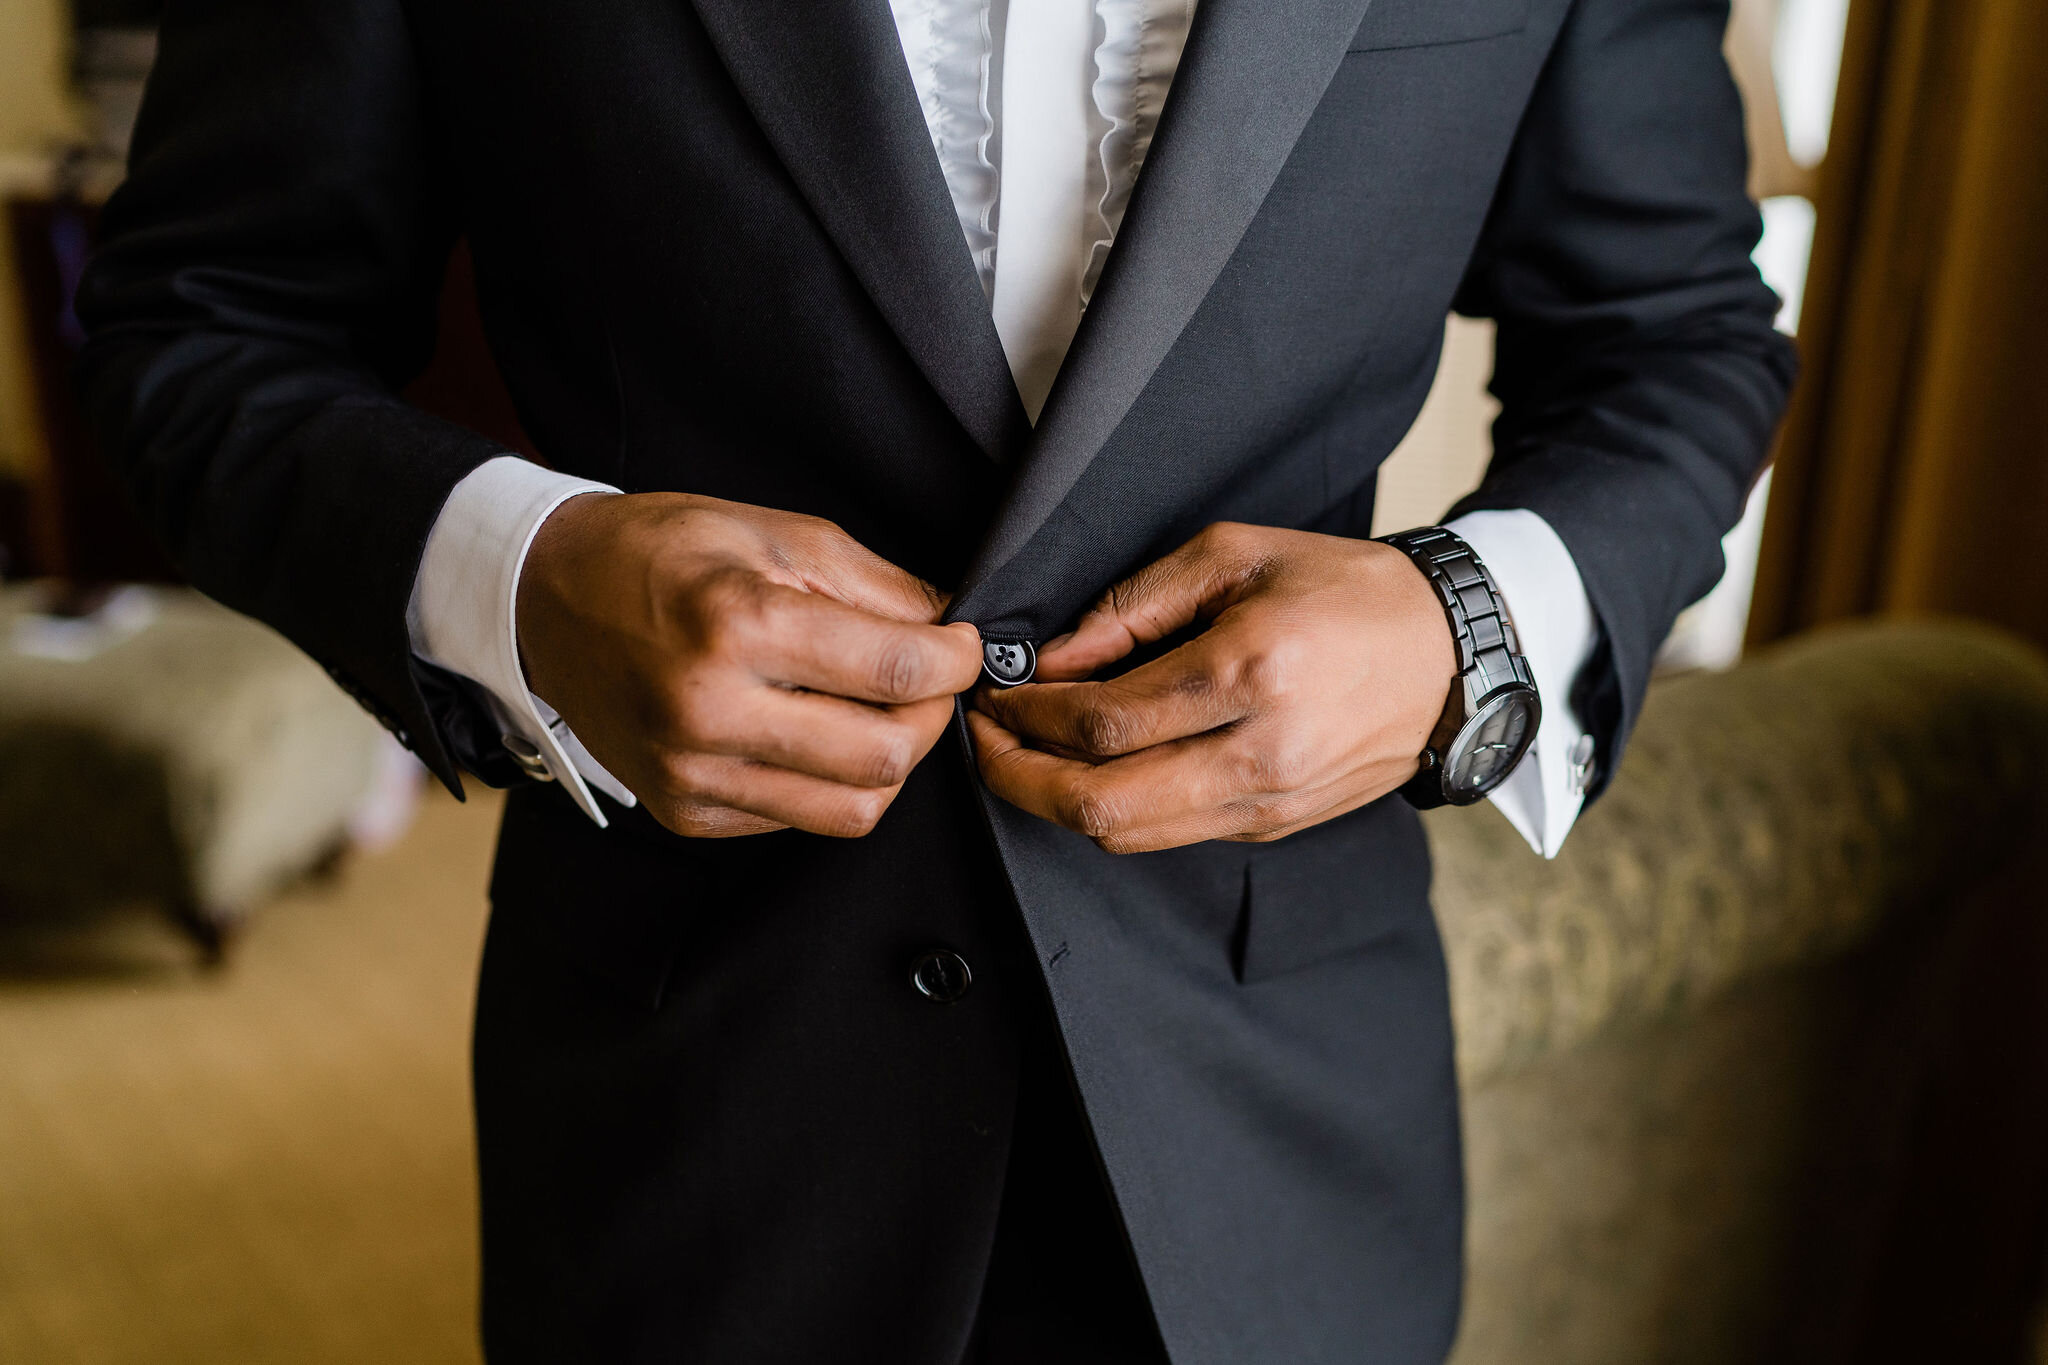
(1480, 628)
(1489, 656)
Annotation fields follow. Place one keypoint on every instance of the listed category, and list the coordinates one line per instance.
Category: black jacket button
(941, 975)
(1009, 662)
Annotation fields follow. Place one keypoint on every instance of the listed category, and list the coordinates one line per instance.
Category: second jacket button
(941, 975)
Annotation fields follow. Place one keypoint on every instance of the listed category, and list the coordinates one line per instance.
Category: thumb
(1157, 600)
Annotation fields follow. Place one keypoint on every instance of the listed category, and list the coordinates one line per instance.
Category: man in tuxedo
(961, 897)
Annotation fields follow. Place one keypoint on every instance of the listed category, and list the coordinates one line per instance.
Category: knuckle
(899, 671)
(724, 591)
(1266, 814)
(1270, 818)
(695, 820)
(1244, 552)
(682, 775)
(858, 814)
(1088, 809)
(1005, 771)
(772, 613)
(779, 556)
(1285, 765)
(1251, 768)
(826, 530)
(890, 763)
(1195, 685)
(729, 611)
(1273, 673)
(870, 808)
(1227, 539)
(1103, 729)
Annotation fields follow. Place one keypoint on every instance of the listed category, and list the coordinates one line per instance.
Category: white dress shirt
(1041, 127)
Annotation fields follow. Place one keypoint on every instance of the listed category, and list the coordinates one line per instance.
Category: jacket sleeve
(266, 280)
(1639, 373)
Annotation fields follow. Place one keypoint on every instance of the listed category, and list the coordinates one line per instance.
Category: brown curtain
(1913, 473)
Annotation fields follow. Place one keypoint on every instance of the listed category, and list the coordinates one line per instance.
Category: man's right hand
(739, 669)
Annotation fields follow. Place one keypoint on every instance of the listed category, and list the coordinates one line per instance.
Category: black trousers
(1062, 1288)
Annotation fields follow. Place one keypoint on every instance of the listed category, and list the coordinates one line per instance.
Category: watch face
(1490, 744)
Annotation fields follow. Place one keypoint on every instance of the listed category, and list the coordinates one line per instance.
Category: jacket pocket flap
(1335, 889)
(1426, 23)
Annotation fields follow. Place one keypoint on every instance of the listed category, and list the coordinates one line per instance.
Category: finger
(810, 732)
(834, 564)
(1196, 688)
(1316, 813)
(776, 794)
(1152, 603)
(1058, 664)
(807, 640)
(1258, 819)
(1230, 823)
(702, 820)
(1189, 782)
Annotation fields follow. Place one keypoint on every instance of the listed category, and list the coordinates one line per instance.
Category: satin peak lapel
(827, 82)
(1252, 75)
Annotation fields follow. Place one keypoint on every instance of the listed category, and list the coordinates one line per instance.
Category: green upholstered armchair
(1758, 1069)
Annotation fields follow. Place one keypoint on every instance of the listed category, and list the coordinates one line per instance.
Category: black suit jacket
(715, 252)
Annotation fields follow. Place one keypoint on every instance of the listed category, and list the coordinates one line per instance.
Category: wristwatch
(1490, 720)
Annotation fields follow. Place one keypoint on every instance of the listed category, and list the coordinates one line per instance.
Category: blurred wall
(35, 113)
(1445, 453)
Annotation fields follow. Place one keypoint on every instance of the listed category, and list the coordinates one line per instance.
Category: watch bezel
(1476, 716)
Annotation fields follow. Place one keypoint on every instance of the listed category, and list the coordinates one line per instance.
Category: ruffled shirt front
(1134, 66)
(1041, 112)
(950, 45)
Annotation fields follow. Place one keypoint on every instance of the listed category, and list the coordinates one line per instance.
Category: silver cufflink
(1583, 769)
(528, 757)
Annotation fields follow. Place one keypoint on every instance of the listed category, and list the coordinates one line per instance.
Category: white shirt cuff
(1558, 633)
(463, 615)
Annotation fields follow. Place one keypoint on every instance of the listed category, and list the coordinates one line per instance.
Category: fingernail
(1056, 642)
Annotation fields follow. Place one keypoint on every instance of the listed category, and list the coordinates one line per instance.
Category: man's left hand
(1324, 666)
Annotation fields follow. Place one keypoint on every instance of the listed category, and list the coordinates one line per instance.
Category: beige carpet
(271, 1164)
